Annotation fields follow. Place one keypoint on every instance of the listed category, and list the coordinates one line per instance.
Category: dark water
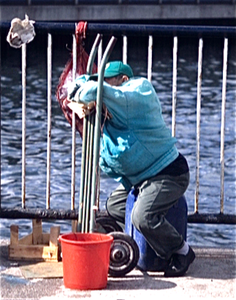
(36, 128)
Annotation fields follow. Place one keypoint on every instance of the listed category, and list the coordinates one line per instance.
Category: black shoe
(179, 264)
(159, 265)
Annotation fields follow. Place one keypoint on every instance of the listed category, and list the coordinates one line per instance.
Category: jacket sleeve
(88, 92)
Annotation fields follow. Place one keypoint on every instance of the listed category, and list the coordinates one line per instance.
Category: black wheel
(108, 224)
(124, 254)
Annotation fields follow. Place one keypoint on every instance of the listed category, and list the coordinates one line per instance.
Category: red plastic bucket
(85, 259)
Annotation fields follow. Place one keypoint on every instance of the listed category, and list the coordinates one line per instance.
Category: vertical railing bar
(23, 54)
(222, 154)
(174, 86)
(49, 98)
(150, 50)
(73, 129)
(199, 84)
(125, 49)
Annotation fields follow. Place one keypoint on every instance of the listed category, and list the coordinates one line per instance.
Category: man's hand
(82, 109)
(72, 91)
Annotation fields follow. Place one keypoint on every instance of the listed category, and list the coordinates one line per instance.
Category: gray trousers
(156, 196)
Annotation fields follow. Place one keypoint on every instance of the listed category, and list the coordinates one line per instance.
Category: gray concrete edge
(125, 12)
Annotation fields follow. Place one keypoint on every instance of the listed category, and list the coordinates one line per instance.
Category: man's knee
(110, 207)
(146, 222)
(117, 212)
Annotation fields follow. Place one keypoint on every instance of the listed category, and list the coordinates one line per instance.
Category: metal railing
(124, 30)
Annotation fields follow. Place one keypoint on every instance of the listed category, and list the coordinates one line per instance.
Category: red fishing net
(67, 77)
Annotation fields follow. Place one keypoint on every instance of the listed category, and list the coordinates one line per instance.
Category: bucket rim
(108, 238)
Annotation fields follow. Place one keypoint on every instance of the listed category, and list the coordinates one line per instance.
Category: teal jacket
(136, 143)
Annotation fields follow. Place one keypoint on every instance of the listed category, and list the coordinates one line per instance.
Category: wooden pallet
(37, 246)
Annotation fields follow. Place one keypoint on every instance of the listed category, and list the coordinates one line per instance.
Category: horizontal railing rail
(135, 29)
(62, 214)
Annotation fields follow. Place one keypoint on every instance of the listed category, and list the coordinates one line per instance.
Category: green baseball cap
(115, 68)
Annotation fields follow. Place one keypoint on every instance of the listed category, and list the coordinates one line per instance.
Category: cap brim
(93, 77)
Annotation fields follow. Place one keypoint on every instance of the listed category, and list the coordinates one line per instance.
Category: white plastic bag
(21, 32)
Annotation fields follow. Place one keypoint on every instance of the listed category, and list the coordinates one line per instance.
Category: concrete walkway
(212, 275)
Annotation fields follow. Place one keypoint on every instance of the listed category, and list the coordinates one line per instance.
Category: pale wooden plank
(46, 238)
(34, 252)
(74, 224)
(14, 230)
(37, 232)
(26, 240)
(54, 234)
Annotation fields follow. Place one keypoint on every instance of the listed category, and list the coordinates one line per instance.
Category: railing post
(174, 86)
(23, 52)
(222, 156)
(150, 49)
(73, 130)
(125, 47)
(49, 96)
(199, 87)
